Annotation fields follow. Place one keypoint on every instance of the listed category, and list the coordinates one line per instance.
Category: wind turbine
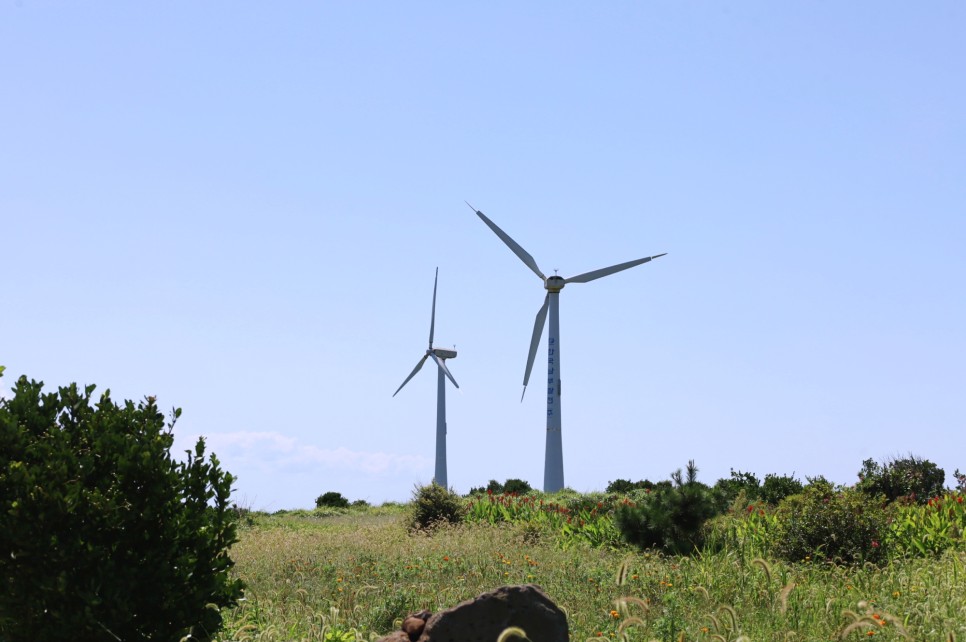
(439, 355)
(553, 476)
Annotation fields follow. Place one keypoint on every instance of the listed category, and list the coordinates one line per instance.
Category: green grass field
(352, 575)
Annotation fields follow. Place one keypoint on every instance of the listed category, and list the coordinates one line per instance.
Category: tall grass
(352, 576)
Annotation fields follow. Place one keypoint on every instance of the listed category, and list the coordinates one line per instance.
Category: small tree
(517, 486)
(625, 486)
(331, 499)
(909, 477)
(102, 534)
(672, 516)
(777, 487)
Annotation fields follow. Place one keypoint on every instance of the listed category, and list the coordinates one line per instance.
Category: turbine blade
(442, 366)
(513, 245)
(432, 323)
(535, 341)
(596, 274)
(411, 374)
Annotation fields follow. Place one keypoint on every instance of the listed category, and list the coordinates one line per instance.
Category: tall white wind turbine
(439, 355)
(553, 475)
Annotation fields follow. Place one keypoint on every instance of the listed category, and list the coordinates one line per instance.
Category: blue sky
(239, 208)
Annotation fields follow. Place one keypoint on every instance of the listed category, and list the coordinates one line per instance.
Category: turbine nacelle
(554, 283)
(443, 353)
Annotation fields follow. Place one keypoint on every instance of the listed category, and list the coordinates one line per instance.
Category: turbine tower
(553, 475)
(439, 355)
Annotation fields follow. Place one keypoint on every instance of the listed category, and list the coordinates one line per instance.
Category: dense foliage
(775, 488)
(844, 526)
(434, 505)
(515, 486)
(331, 499)
(911, 478)
(102, 534)
(670, 518)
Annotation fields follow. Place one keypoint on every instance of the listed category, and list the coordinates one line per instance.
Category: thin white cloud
(272, 451)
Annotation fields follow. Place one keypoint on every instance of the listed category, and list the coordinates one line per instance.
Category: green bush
(740, 482)
(671, 516)
(331, 499)
(433, 505)
(775, 488)
(821, 524)
(102, 535)
(517, 486)
(910, 477)
(624, 486)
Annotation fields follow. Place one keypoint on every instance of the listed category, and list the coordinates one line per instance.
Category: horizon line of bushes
(898, 507)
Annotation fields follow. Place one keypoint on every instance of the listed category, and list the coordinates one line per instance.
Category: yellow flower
(896, 594)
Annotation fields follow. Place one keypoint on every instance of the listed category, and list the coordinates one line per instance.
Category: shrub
(517, 486)
(775, 488)
(331, 499)
(671, 517)
(909, 477)
(102, 534)
(739, 482)
(433, 505)
(845, 526)
(625, 486)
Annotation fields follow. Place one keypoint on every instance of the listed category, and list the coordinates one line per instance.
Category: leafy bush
(909, 477)
(331, 499)
(102, 534)
(517, 486)
(775, 488)
(624, 486)
(845, 526)
(739, 483)
(433, 505)
(671, 517)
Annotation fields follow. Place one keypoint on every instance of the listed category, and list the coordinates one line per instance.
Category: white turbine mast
(439, 355)
(553, 475)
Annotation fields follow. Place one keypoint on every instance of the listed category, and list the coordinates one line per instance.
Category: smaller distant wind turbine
(439, 355)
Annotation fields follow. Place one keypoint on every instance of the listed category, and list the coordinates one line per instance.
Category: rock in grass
(485, 617)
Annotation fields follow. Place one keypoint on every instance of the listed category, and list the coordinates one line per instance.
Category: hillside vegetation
(348, 574)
